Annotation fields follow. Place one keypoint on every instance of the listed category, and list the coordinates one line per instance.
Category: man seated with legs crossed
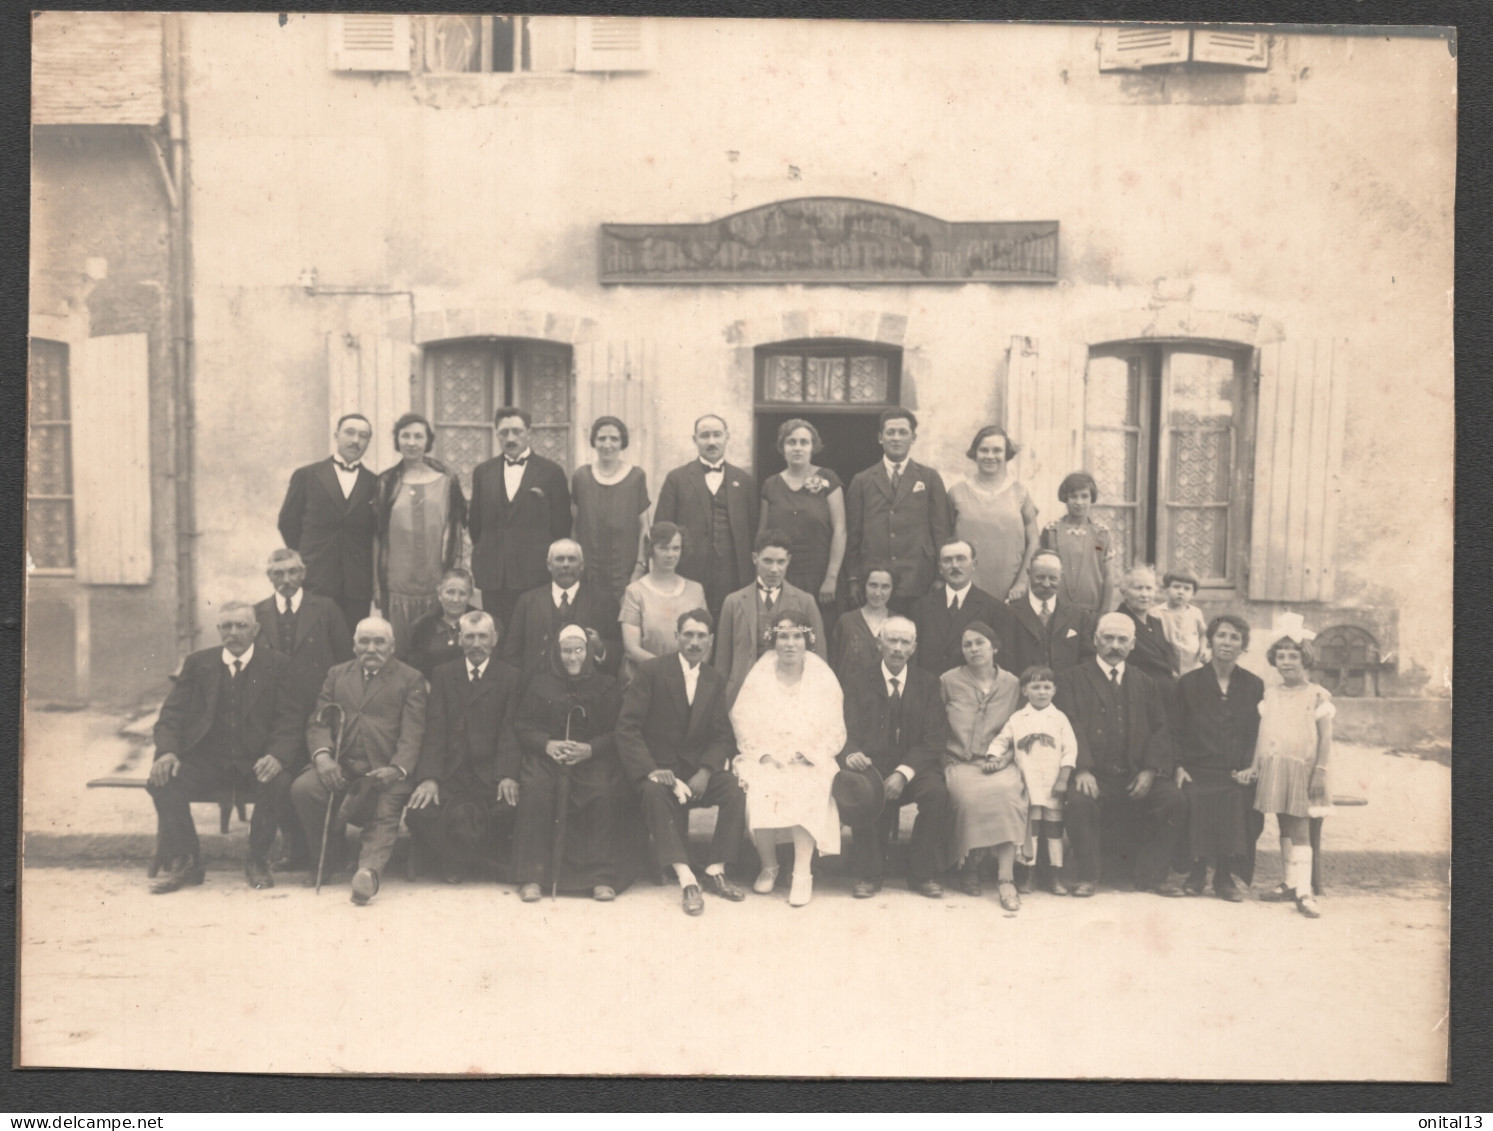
(674, 739)
(230, 723)
(383, 725)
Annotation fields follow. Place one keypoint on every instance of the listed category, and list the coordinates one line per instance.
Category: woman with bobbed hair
(611, 510)
(422, 513)
(807, 503)
(651, 605)
(995, 515)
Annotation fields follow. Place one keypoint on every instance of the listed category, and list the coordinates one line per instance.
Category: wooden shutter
(1249, 49)
(615, 43)
(1131, 48)
(612, 379)
(111, 459)
(1045, 412)
(370, 375)
(368, 41)
(1298, 462)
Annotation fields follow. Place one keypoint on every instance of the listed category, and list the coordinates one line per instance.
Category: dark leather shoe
(365, 886)
(717, 884)
(1228, 891)
(1082, 890)
(694, 902)
(864, 889)
(531, 893)
(930, 889)
(969, 882)
(184, 873)
(1167, 889)
(258, 873)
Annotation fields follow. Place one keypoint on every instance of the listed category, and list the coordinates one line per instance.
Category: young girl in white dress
(1290, 763)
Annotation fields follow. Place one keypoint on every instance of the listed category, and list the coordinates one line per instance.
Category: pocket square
(1073, 632)
(537, 491)
(919, 486)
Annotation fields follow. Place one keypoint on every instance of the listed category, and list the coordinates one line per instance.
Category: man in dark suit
(715, 502)
(311, 632)
(943, 614)
(229, 723)
(747, 615)
(896, 511)
(469, 760)
(383, 704)
(675, 741)
(1119, 717)
(520, 504)
(1045, 629)
(895, 721)
(566, 598)
(1152, 654)
(329, 517)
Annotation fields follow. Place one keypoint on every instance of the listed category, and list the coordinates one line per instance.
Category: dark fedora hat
(860, 795)
(360, 802)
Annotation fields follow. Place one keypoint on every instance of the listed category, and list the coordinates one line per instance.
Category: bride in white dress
(790, 727)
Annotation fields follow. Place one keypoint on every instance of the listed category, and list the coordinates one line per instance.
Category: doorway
(840, 386)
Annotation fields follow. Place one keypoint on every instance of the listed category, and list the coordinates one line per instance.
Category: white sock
(1054, 851)
(715, 870)
(686, 876)
(1301, 869)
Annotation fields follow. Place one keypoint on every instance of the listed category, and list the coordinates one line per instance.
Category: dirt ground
(434, 979)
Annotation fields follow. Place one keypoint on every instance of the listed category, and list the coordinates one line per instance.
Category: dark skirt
(600, 833)
(1217, 813)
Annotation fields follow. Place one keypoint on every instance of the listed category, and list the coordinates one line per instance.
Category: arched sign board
(830, 240)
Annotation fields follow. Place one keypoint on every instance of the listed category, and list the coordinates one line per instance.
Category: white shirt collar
(477, 669)
(1107, 668)
(525, 454)
(891, 467)
(766, 588)
(950, 593)
(295, 600)
(689, 672)
(887, 677)
(555, 592)
(713, 468)
(1036, 602)
(229, 657)
(349, 469)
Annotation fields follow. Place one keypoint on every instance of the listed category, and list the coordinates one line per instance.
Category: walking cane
(562, 807)
(326, 824)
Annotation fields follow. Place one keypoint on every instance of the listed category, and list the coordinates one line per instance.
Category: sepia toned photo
(569, 545)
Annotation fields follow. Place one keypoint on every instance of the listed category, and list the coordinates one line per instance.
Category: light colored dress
(1044, 743)
(417, 546)
(1287, 748)
(1083, 549)
(805, 719)
(656, 613)
(994, 523)
(1187, 633)
(606, 524)
(989, 809)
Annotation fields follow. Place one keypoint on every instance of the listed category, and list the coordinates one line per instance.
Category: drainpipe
(183, 386)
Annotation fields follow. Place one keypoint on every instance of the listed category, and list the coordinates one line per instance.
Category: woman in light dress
(790, 726)
(651, 605)
(611, 509)
(421, 515)
(996, 516)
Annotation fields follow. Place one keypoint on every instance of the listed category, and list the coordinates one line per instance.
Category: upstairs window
(458, 44)
(1144, 47)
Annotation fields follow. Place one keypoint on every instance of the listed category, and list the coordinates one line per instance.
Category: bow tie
(716, 468)
(1036, 739)
(516, 462)
(346, 466)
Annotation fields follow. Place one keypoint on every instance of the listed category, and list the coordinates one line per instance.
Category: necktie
(1046, 613)
(564, 603)
(237, 667)
(1114, 678)
(347, 466)
(896, 701)
(516, 462)
(767, 601)
(713, 468)
(954, 603)
(896, 477)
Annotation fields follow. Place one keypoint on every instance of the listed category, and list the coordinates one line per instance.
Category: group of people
(800, 659)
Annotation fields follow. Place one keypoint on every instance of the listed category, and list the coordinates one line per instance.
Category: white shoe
(767, 879)
(801, 891)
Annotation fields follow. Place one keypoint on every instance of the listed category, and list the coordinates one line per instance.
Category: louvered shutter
(368, 41)
(370, 375)
(615, 43)
(111, 459)
(1298, 462)
(1045, 413)
(1247, 49)
(1131, 48)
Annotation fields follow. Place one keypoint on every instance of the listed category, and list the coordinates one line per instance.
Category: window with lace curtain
(49, 460)
(1169, 440)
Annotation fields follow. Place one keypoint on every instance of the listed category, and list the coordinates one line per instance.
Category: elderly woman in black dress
(436, 637)
(571, 775)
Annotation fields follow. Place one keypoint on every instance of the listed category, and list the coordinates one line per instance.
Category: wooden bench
(226, 800)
